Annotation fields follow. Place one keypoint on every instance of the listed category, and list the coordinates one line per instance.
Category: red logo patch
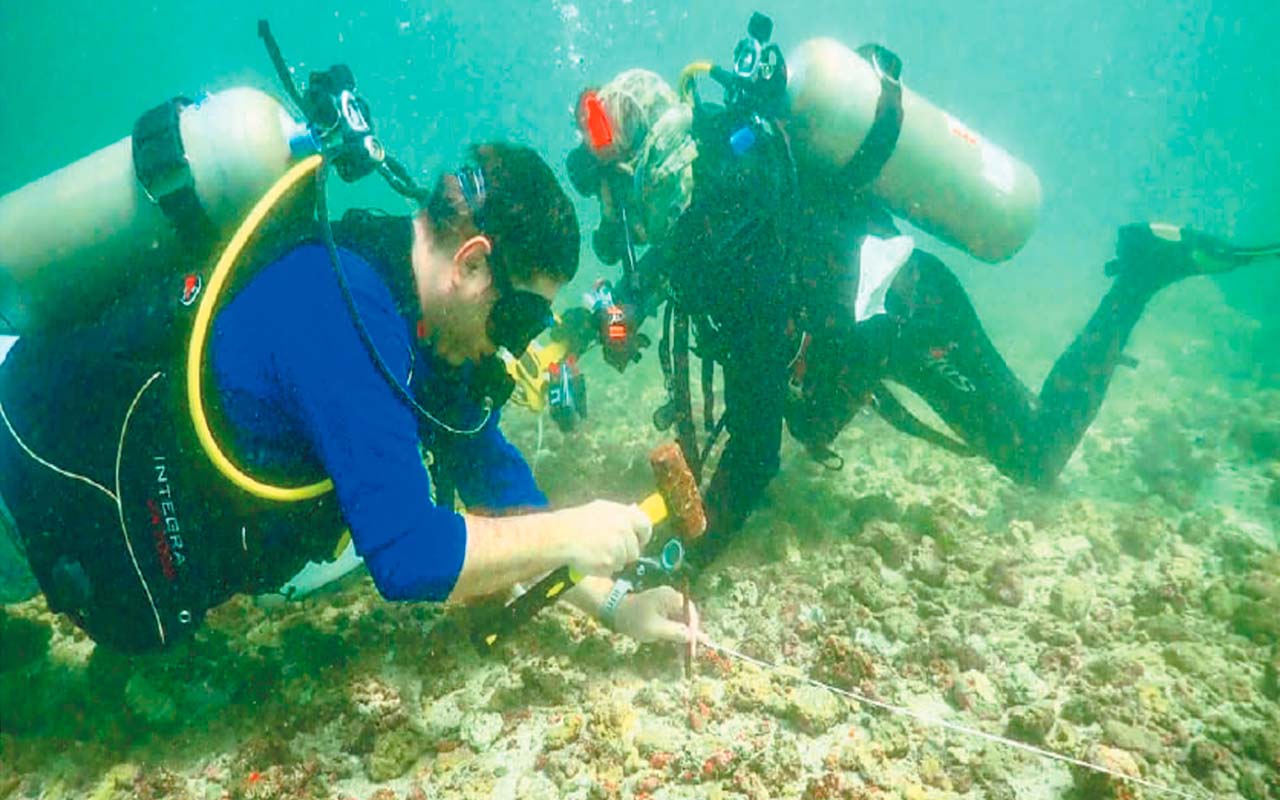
(191, 286)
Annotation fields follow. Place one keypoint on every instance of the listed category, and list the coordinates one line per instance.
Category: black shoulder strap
(161, 166)
(882, 138)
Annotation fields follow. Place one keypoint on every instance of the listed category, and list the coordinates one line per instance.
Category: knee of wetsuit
(801, 424)
(813, 425)
(69, 591)
(1031, 466)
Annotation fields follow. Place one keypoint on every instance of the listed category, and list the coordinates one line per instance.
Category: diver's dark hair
(509, 193)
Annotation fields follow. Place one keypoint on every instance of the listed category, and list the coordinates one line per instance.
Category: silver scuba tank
(74, 240)
(940, 175)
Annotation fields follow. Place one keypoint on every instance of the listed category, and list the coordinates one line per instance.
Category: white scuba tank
(942, 176)
(74, 240)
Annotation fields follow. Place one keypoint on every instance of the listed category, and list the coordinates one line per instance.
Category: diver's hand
(602, 537)
(656, 615)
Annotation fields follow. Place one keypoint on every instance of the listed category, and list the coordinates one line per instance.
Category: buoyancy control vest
(737, 228)
(129, 527)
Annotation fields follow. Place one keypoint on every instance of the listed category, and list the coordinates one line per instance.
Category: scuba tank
(850, 112)
(171, 194)
(74, 240)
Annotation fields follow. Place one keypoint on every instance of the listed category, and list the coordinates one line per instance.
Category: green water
(1147, 582)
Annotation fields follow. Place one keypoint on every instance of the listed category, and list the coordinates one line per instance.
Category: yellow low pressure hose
(200, 334)
(690, 74)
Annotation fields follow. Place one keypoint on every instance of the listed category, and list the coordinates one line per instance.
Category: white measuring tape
(942, 723)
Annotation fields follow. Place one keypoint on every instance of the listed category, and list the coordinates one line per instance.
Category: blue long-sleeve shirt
(303, 398)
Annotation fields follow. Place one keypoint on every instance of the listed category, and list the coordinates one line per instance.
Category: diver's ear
(469, 263)
(470, 254)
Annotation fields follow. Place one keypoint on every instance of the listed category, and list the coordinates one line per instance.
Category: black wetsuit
(758, 263)
(932, 342)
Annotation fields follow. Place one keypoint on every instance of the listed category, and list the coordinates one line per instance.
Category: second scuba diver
(348, 370)
(799, 285)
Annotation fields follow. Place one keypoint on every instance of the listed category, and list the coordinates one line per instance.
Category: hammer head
(679, 490)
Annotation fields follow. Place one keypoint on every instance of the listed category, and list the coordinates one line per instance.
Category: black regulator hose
(277, 60)
(398, 177)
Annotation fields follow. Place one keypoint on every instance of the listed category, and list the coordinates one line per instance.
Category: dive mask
(517, 318)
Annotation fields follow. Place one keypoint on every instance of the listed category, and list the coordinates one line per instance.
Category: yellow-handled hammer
(677, 499)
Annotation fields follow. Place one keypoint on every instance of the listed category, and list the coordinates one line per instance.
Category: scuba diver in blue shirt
(769, 229)
(209, 434)
(132, 534)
